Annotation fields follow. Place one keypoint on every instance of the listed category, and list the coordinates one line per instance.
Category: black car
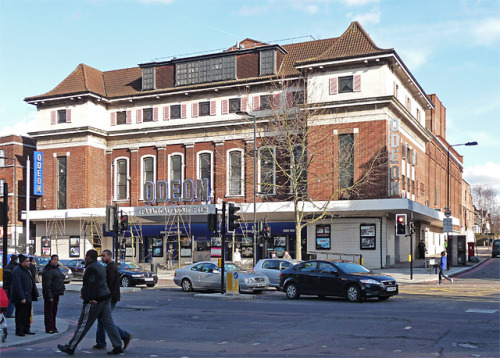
(132, 274)
(77, 266)
(336, 278)
(42, 261)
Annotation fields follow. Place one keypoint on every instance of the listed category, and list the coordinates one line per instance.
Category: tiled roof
(353, 42)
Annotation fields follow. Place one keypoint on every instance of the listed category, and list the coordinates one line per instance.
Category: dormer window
(267, 62)
(203, 71)
(148, 78)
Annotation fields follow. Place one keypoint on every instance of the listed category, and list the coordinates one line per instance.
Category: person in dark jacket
(52, 288)
(113, 282)
(96, 305)
(7, 279)
(21, 294)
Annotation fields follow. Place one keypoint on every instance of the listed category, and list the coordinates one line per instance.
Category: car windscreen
(496, 244)
(130, 265)
(42, 261)
(348, 267)
(232, 267)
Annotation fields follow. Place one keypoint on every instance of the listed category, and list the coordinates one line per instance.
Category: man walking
(113, 282)
(7, 280)
(96, 305)
(21, 292)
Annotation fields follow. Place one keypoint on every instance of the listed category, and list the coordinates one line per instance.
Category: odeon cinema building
(168, 141)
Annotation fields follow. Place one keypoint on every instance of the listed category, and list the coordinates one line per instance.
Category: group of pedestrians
(100, 292)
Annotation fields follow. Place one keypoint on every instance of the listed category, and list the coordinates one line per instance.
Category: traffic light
(110, 218)
(232, 218)
(401, 224)
(123, 222)
(266, 231)
(212, 222)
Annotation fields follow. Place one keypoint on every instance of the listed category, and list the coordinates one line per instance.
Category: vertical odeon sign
(394, 159)
(38, 173)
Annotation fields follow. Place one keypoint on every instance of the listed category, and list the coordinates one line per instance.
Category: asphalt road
(425, 320)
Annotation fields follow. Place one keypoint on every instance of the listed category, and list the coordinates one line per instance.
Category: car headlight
(137, 275)
(369, 281)
(70, 272)
(249, 280)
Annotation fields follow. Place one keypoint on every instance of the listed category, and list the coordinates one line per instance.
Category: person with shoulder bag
(52, 288)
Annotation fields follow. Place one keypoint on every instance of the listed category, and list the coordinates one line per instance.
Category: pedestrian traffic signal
(123, 222)
(232, 218)
(212, 222)
(401, 224)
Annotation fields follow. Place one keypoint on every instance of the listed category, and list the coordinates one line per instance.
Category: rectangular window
(2, 158)
(148, 78)
(235, 173)
(204, 108)
(299, 169)
(202, 71)
(234, 105)
(2, 181)
(266, 171)
(346, 160)
(121, 179)
(435, 196)
(346, 84)
(175, 111)
(121, 117)
(147, 115)
(266, 101)
(61, 182)
(176, 167)
(267, 63)
(205, 166)
(61, 116)
(298, 98)
(148, 169)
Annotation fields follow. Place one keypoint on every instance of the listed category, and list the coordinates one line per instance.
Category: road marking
(408, 327)
(476, 310)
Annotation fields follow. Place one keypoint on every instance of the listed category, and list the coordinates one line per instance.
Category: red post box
(470, 249)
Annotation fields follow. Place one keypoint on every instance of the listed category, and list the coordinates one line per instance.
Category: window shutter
(403, 152)
(113, 118)
(334, 85)
(53, 117)
(244, 103)
(155, 114)
(183, 110)
(289, 99)
(225, 106)
(356, 83)
(414, 157)
(166, 113)
(128, 120)
(213, 108)
(276, 100)
(256, 103)
(139, 116)
(194, 110)
(68, 116)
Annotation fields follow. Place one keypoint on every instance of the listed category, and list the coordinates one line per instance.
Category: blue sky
(452, 47)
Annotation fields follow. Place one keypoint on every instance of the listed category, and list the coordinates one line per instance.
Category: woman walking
(52, 287)
(443, 266)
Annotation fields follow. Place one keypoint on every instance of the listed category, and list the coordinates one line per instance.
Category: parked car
(205, 275)
(131, 274)
(77, 266)
(495, 248)
(271, 268)
(42, 261)
(336, 278)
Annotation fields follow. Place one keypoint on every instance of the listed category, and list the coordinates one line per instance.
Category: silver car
(205, 275)
(272, 267)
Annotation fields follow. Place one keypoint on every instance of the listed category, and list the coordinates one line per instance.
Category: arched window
(121, 178)
(148, 171)
(234, 172)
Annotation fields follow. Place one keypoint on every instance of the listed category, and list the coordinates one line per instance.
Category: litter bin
(154, 268)
(470, 249)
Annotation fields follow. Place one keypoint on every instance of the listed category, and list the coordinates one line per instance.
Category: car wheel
(150, 284)
(385, 298)
(126, 281)
(353, 293)
(292, 292)
(186, 285)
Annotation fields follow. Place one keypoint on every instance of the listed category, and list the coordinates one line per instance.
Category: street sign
(447, 225)
(447, 213)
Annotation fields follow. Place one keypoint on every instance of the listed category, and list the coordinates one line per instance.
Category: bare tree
(484, 198)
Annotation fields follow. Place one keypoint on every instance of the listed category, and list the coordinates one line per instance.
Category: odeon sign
(394, 162)
(176, 191)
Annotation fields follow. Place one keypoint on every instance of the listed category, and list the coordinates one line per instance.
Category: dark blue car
(132, 274)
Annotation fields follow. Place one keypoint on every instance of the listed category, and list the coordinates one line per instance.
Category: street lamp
(448, 176)
(243, 113)
(15, 200)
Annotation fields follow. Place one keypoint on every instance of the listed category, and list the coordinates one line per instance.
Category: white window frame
(259, 173)
(198, 168)
(142, 172)
(2, 158)
(293, 153)
(183, 165)
(115, 178)
(228, 172)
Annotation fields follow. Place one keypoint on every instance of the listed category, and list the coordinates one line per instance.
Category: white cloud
(368, 18)
(487, 31)
(157, 1)
(358, 2)
(486, 174)
(252, 10)
(21, 127)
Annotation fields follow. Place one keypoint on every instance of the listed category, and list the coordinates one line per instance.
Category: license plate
(391, 289)
(148, 279)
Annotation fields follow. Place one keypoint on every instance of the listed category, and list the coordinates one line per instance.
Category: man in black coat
(113, 282)
(7, 280)
(21, 294)
(53, 287)
(96, 305)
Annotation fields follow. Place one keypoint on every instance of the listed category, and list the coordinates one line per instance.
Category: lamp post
(15, 201)
(448, 171)
(243, 113)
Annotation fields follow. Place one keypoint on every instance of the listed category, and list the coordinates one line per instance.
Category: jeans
(100, 335)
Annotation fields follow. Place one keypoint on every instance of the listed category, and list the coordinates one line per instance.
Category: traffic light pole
(5, 221)
(223, 248)
(116, 233)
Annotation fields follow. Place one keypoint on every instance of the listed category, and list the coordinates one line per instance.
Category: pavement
(165, 279)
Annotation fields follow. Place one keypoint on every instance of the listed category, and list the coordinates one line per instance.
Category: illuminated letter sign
(38, 174)
(176, 191)
(394, 168)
